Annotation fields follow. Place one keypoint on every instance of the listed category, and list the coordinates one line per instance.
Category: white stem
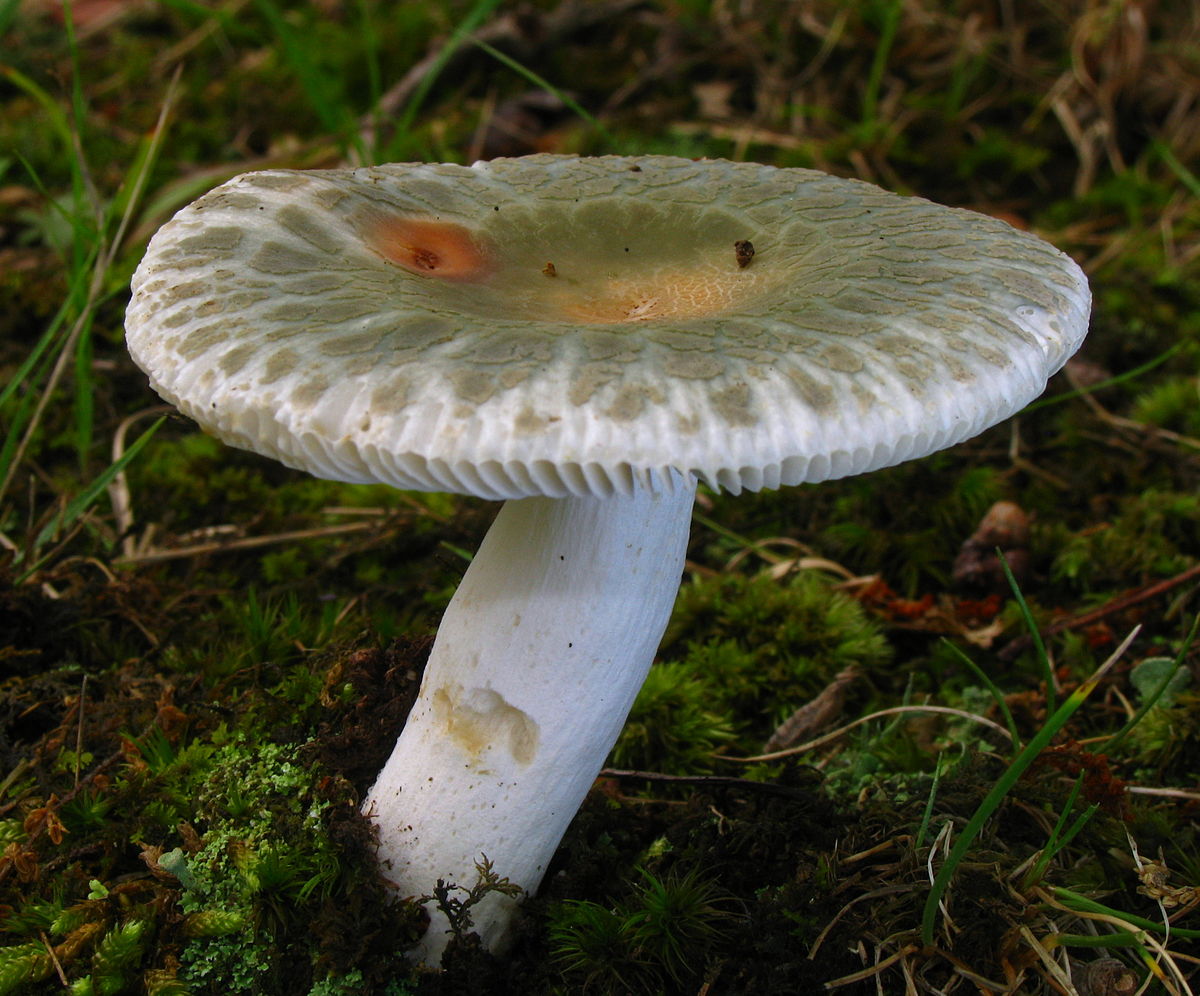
(537, 662)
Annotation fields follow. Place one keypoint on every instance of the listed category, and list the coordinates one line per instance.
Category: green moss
(23, 964)
(763, 647)
(197, 481)
(673, 726)
(872, 523)
(264, 866)
(117, 954)
(1166, 740)
(353, 984)
(1174, 404)
(660, 935)
(1150, 535)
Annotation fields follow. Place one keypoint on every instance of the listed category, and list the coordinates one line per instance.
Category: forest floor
(205, 656)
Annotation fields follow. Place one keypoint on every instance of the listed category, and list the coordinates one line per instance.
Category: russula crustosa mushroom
(585, 339)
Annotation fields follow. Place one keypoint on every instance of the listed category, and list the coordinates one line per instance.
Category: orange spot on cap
(431, 248)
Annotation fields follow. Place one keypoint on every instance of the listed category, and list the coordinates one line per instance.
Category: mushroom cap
(556, 325)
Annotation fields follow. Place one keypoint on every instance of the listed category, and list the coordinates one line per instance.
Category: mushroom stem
(537, 662)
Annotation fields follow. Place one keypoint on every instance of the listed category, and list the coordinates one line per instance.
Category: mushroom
(395, 324)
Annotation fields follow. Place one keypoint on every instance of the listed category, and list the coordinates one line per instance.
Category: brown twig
(870, 717)
(247, 542)
(874, 970)
(1111, 607)
(815, 715)
(54, 958)
(118, 488)
(1143, 429)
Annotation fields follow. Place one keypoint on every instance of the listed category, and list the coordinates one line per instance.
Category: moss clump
(265, 857)
(192, 858)
(740, 655)
(672, 726)
(655, 939)
(1146, 536)
(762, 647)
(1174, 404)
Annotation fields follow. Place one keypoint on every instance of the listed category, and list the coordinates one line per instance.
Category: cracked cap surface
(554, 325)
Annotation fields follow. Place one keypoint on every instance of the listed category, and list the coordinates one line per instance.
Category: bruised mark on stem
(478, 718)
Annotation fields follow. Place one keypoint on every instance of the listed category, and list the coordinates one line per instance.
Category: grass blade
(543, 84)
(319, 87)
(1020, 763)
(469, 23)
(78, 505)
(1152, 699)
(1034, 633)
(1082, 904)
(996, 694)
(1121, 378)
